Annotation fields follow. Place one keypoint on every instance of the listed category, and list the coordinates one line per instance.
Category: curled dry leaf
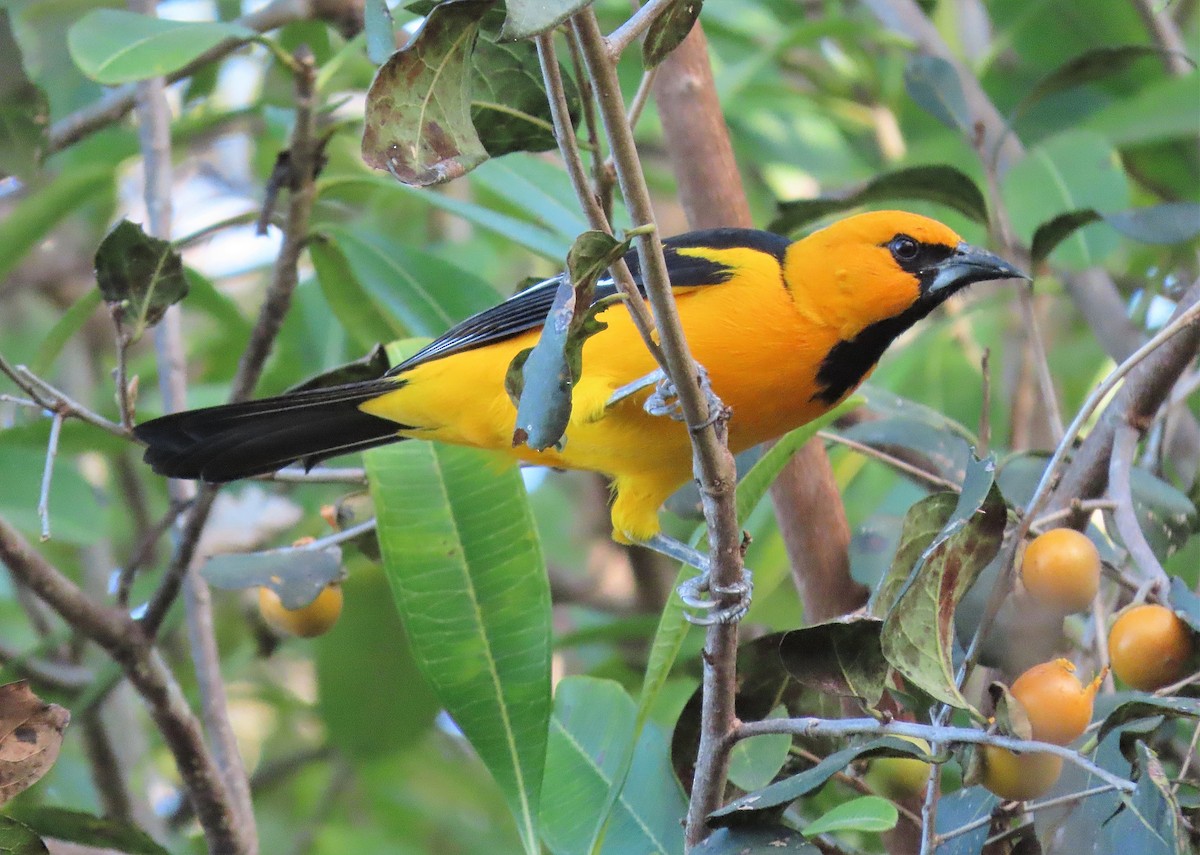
(31, 732)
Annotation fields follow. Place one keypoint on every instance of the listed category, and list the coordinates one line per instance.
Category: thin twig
(712, 462)
(1032, 807)
(642, 96)
(116, 632)
(64, 677)
(320, 475)
(624, 35)
(568, 147)
(43, 507)
(813, 726)
(1120, 490)
(1187, 758)
(49, 398)
(121, 372)
(922, 475)
(985, 409)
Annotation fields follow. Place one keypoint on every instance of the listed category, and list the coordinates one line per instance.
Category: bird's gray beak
(969, 264)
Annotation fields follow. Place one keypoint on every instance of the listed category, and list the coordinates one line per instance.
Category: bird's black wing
(527, 310)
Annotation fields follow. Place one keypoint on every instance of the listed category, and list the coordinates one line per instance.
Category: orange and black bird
(785, 329)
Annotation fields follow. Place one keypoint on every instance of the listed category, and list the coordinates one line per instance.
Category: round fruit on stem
(1149, 647)
(1019, 777)
(1061, 569)
(1058, 706)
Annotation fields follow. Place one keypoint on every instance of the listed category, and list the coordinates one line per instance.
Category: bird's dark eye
(904, 248)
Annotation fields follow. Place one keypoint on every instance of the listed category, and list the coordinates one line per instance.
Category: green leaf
(591, 719)
(527, 18)
(751, 807)
(508, 102)
(755, 483)
(32, 218)
(668, 30)
(1053, 232)
(1185, 603)
(1166, 516)
(1161, 111)
(297, 574)
(416, 290)
(140, 277)
(1148, 706)
(933, 84)
(970, 804)
(754, 762)
(71, 322)
(463, 559)
(769, 839)
(541, 380)
(364, 321)
(16, 838)
(1171, 222)
(115, 46)
(838, 657)
(418, 115)
(1089, 66)
(934, 183)
(918, 630)
(866, 813)
(1073, 171)
(24, 110)
(372, 366)
(380, 31)
(370, 639)
(1149, 822)
(79, 827)
(939, 450)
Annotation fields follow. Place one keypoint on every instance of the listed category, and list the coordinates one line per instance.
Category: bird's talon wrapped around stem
(699, 593)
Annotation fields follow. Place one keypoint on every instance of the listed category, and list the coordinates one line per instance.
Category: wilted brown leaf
(31, 732)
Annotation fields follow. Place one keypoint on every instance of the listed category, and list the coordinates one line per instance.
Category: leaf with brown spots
(918, 629)
(31, 732)
(418, 117)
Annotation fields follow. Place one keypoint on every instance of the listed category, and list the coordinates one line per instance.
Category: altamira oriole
(785, 329)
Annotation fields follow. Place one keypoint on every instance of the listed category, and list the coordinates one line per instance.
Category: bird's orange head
(870, 277)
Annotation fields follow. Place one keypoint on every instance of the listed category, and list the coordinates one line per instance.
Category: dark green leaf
(1050, 234)
(1148, 706)
(24, 111)
(1172, 222)
(380, 31)
(592, 719)
(19, 839)
(941, 452)
(668, 30)
(508, 101)
(114, 46)
(466, 571)
(933, 83)
(935, 183)
(751, 807)
(418, 116)
(530, 17)
(918, 632)
(768, 839)
(957, 809)
(840, 657)
(1166, 516)
(370, 639)
(754, 763)
(93, 831)
(1094, 64)
(140, 277)
(865, 813)
(296, 574)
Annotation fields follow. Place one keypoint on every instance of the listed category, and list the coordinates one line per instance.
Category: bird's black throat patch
(848, 362)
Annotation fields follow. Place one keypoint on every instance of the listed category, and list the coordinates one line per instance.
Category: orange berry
(1061, 569)
(1149, 647)
(1059, 707)
(1018, 777)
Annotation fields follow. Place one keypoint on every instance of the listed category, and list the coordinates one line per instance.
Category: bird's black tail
(257, 437)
